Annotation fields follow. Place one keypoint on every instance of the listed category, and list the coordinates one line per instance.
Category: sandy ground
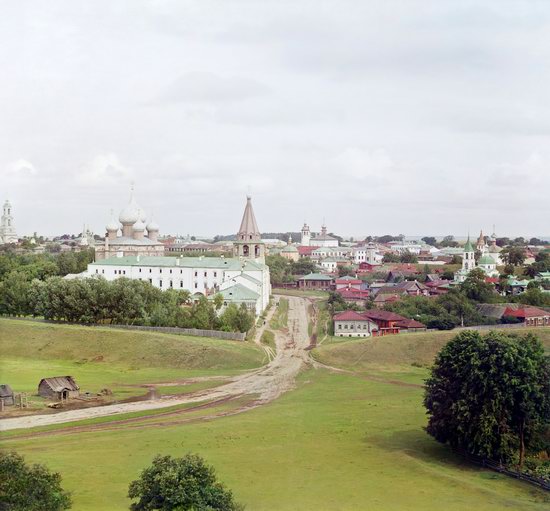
(266, 383)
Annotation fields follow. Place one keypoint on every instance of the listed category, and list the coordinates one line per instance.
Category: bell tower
(306, 235)
(249, 243)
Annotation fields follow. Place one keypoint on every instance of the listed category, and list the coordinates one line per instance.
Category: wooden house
(7, 395)
(58, 388)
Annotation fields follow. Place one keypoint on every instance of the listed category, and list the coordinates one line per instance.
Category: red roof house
(530, 316)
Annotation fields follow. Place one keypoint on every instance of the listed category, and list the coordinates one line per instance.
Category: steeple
(249, 228)
(249, 240)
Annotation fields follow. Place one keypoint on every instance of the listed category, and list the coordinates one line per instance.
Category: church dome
(152, 226)
(139, 225)
(289, 249)
(113, 225)
(130, 214)
(486, 260)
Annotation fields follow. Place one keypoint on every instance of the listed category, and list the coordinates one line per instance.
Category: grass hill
(395, 351)
(135, 349)
(110, 358)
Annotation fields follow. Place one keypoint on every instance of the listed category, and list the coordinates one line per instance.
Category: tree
(475, 288)
(513, 255)
(408, 257)
(29, 487)
(180, 484)
(489, 395)
(346, 271)
(429, 240)
(449, 241)
(390, 258)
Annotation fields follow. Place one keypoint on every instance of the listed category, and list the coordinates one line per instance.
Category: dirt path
(266, 383)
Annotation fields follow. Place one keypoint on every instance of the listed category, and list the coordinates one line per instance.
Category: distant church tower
(306, 236)
(468, 259)
(249, 243)
(7, 227)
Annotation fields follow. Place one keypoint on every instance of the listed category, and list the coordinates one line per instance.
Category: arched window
(257, 250)
(246, 250)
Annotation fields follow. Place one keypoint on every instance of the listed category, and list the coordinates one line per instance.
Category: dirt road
(266, 383)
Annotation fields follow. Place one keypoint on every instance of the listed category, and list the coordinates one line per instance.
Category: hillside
(395, 351)
(133, 349)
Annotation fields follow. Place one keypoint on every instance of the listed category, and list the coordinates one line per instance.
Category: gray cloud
(385, 116)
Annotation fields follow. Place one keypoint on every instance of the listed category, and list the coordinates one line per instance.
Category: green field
(106, 358)
(336, 442)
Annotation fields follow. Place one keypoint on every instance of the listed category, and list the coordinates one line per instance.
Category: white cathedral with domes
(130, 235)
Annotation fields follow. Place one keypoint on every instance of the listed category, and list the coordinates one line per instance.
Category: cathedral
(130, 235)
(7, 227)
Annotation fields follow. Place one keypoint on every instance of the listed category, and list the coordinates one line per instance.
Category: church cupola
(249, 240)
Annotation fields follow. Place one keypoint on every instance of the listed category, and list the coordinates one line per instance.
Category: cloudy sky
(414, 117)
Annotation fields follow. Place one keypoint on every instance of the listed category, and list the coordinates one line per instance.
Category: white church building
(241, 279)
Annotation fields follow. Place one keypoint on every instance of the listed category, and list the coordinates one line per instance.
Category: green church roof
(469, 247)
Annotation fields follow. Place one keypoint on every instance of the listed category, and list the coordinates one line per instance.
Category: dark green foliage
(180, 484)
(475, 288)
(282, 270)
(514, 255)
(489, 395)
(122, 301)
(444, 312)
(29, 488)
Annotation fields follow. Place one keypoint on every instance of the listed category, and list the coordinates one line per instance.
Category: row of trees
(122, 301)
(42, 266)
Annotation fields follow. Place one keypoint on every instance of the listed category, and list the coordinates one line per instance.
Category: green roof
(238, 293)
(469, 247)
(221, 263)
(486, 260)
(316, 276)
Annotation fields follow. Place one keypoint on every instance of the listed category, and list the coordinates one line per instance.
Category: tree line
(123, 301)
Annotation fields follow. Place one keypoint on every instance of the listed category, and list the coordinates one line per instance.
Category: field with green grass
(110, 358)
(280, 317)
(337, 442)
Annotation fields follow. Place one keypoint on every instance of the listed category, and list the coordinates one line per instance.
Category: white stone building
(7, 226)
(241, 279)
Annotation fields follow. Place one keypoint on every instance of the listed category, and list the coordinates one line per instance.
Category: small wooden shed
(7, 395)
(58, 388)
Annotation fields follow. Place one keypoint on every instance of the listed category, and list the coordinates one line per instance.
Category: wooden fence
(493, 465)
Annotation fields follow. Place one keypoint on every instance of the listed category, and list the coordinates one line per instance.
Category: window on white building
(160, 283)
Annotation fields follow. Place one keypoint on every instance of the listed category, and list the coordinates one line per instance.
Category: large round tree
(29, 487)
(180, 484)
(489, 394)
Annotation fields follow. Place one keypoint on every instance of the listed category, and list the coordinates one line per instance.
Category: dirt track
(266, 383)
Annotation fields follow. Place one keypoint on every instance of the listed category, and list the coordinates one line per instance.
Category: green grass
(102, 358)
(268, 338)
(337, 442)
(280, 317)
(394, 352)
(300, 292)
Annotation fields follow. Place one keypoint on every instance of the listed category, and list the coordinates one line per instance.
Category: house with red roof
(372, 322)
(353, 324)
(529, 316)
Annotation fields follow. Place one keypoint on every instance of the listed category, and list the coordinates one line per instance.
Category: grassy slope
(336, 443)
(101, 357)
(394, 352)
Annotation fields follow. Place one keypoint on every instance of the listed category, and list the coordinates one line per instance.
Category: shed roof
(60, 383)
(5, 390)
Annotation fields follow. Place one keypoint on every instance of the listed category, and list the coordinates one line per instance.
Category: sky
(413, 117)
